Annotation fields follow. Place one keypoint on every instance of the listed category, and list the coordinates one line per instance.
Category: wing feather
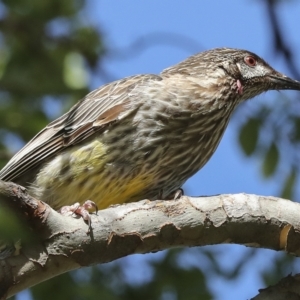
(92, 114)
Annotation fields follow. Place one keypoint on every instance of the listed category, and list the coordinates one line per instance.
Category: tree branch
(61, 243)
(287, 288)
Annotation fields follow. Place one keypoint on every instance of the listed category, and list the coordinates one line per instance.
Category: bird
(143, 136)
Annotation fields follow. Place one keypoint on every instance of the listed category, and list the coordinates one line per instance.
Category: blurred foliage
(47, 55)
(283, 265)
(272, 135)
(45, 48)
(10, 225)
(249, 135)
(289, 185)
(271, 161)
(167, 281)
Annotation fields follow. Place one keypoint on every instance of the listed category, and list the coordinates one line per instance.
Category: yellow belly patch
(85, 172)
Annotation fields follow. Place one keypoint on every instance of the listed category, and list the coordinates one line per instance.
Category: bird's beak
(279, 81)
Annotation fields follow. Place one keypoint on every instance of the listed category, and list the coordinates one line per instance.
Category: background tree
(52, 53)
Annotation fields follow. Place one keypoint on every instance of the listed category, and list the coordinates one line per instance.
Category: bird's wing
(93, 113)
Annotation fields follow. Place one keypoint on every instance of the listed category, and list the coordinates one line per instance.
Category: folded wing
(108, 104)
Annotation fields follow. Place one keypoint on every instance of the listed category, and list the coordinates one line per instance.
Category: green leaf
(75, 73)
(289, 184)
(271, 161)
(249, 135)
(297, 129)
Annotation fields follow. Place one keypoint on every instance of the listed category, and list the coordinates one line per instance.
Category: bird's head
(248, 74)
(253, 74)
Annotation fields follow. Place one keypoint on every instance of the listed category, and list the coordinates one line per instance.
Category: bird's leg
(175, 194)
(81, 210)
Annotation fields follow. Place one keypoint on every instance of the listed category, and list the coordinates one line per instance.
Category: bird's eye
(250, 61)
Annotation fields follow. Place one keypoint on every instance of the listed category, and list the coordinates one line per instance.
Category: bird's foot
(175, 194)
(81, 210)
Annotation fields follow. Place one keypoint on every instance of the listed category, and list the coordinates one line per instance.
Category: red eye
(250, 61)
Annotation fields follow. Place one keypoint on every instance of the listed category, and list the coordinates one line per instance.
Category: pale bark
(62, 243)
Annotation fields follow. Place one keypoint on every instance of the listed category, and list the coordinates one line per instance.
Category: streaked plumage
(142, 136)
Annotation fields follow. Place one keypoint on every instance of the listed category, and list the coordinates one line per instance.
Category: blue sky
(168, 32)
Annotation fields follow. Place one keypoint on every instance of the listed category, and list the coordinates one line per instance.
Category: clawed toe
(175, 194)
(81, 210)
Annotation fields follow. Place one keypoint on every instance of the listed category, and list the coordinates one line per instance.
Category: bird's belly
(101, 187)
(89, 172)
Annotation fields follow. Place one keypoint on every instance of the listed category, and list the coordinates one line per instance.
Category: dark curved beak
(279, 81)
